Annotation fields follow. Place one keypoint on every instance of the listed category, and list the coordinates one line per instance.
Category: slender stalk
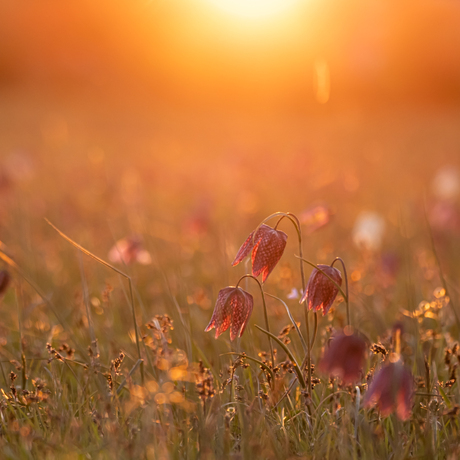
(297, 369)
(338, 259)
(295, 221)
(265, 310)
(21, 344)
(45, 299)
(103, 262)
(304, 345)
(88, 310)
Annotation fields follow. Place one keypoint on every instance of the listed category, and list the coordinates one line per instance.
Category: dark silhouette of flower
(321, 291)
(267, 248)
(344, 357)
(391, 390)
(4, 281)
(233, 309)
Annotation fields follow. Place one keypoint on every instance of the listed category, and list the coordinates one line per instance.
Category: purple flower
(391, 390)
(233, 309)
(267, 248)
(344, 357)
(321, 291)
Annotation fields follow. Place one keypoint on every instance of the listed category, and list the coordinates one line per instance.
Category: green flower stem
(338, 259)
(265, 310)
(295, 221)
(304, 345)
(290, 355)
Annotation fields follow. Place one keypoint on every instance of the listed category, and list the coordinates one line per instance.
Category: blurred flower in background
(444, 213)
(391, 390)
(129, 250)
(315, 217)
(368, 230)
(446, 183)
(294, 294)
(344, 357)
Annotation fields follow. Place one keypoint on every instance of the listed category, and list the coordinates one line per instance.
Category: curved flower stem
(338, 259)
(265, 310)
(297, 369)
(304, 345)
(295, 221)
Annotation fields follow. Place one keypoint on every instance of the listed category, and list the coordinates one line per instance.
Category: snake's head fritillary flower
(267, 245)
(321, 291)
(391, 390)
(344, 357)
(233, 309)
(4, 281)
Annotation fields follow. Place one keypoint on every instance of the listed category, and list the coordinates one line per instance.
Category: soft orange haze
(197, 54)
(183, 111)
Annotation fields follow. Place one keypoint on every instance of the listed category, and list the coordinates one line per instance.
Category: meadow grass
(103, 359)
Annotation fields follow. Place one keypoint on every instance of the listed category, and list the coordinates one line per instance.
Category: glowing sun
(253, 8)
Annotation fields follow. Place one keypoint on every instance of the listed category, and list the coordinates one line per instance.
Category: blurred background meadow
(174, 128)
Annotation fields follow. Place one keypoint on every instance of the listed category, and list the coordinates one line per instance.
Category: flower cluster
(234, 305)
(391, 389)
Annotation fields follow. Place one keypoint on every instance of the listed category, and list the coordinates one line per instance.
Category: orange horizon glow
(253, 8)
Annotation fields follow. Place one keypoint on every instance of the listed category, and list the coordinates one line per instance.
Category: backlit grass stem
(265, 310)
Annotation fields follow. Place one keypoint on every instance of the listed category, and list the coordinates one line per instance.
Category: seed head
(233, 309)
(321, 291)
(267, 246)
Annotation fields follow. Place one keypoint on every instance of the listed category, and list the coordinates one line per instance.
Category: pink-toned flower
(267, 247)
(128, 250)
(4, 281)
(321, 291)
(233, 309)
(315, 217)
(344, 357)
(391, 390)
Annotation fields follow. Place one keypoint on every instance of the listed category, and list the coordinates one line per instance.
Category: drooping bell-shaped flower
(233, 309)
(267, 245)
(344, 357)
(391, 390)
(321, 291)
